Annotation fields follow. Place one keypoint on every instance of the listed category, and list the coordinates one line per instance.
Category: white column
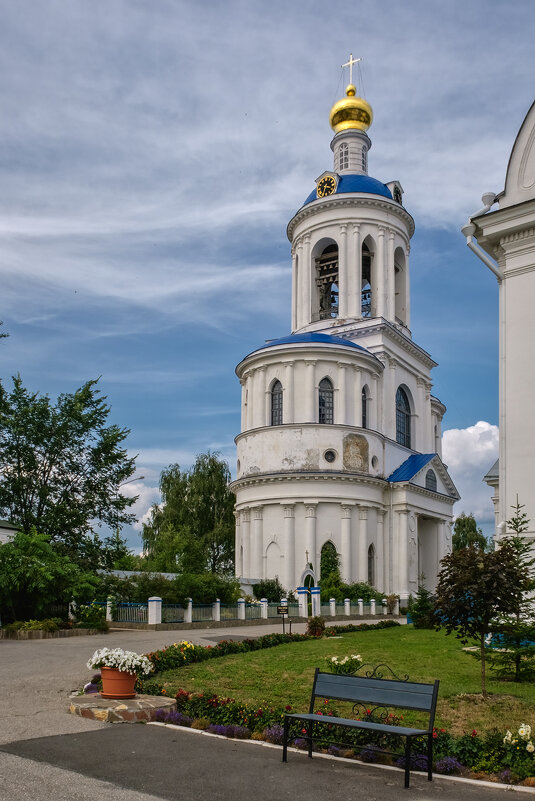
(238, 546)
(380, 275)
(188, 612)
(216, 610)
(259, 411)
(389, 414)
(300, 284)
(316, 601)
(289, 546)
(246, 542)
(249, 400)
(302, 595)
(403, 554)
(343, 271)
(345, 525)
(341, 412)
(308, 277)
(241, 608)
(375, 405)
(407, 289)
(243, 423)
(357, 398)
(362, 563)
(390, 279)
(257, 548)
(310, 535)
(288, 394)
(311, 414)
(380, 552)
(420, 430)
(355, 273)
(264, 608)
(295, 288)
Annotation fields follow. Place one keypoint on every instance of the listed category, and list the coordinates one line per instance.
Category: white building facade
(506, 243)
(340, 439)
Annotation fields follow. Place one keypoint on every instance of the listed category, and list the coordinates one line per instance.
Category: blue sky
(152, 153)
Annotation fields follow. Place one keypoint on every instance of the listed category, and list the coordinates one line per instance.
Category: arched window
(343, 156)
(327, 282)
(431, 481)
(329, 561)
(364, 407)
(276, 404)
(371, 566)
(403, 418)
(366, 288)
(326, 402)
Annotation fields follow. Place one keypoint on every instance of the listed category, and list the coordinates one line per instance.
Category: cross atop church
(350, 65)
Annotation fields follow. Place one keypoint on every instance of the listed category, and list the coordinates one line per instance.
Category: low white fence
(155, 612)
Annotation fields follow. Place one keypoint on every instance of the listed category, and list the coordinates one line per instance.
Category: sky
(152, 154)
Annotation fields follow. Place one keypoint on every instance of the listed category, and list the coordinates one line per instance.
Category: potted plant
(119, 670)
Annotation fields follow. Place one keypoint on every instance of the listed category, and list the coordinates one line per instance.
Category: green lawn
(283, 675)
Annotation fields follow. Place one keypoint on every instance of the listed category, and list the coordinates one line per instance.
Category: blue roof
(356, 183)
(411, 466)
(311, 337)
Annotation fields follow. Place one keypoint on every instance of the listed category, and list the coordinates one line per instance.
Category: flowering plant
(520, 752)
(127, 661)
(345, 666)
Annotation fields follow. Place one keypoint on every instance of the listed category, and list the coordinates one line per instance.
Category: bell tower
(350, 239)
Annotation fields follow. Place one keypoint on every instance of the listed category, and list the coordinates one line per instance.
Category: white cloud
(470, 453)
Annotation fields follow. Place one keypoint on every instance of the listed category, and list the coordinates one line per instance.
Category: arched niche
(325, 285)
(369, 279)
(273, 560)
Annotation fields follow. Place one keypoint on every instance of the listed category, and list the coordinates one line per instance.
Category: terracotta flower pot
(117, 683)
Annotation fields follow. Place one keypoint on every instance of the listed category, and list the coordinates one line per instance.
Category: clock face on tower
(327, 186)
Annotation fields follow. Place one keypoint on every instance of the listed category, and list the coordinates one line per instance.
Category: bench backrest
(383, 692)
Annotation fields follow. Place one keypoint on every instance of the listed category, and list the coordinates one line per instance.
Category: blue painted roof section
(411, 466)
(311, 337)
(355, 183)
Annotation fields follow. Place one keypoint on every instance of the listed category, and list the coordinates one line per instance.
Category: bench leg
(285, 740)
(309, 733)
(430, 758)
(408, 743)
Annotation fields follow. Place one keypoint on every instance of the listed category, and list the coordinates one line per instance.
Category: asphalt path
(46, 754)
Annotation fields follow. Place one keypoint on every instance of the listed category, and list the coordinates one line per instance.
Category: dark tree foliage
(200, 587)
(474, 587)
(271, 589)
(193, 529)
(466, 532)
(35, 579)
(61, 467)
(329, 561)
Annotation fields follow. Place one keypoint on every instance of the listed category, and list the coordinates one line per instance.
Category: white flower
(127, 661)
(530, 747)
(508, 736)
(525, 731)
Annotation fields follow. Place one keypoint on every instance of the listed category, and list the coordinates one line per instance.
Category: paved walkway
(46, 754)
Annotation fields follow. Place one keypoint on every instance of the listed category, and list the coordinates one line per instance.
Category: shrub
(49, 624)
(271, 589)
(315, 626)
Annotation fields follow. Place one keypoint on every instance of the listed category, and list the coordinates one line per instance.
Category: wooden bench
(378, 693)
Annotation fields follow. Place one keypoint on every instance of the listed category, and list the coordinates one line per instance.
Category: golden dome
(351, 112)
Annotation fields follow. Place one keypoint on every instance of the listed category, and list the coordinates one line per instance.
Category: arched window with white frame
(403, 418)
(276, 404)
(326, 401)
(365, 400)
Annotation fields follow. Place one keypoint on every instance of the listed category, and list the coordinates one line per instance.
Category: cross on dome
(350, 65)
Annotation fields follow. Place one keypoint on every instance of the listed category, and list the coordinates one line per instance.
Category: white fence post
(263, 608)
(155, 610)
(332, 605)
(241, 608)
(188, 611)
(385, 606)
(109, 614)
(216, 610)
(302, 596)
(316, 601)
(372, 606)
(396, 608)
(347, 607)
(360, 603)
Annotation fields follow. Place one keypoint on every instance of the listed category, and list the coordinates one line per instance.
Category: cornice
(338, 478)
(353, 201)
(395, 335)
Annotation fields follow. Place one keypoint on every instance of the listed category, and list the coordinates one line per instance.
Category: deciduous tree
(61, 466)
(466, 532)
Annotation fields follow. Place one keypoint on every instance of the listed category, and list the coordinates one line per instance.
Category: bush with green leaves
(50, 624)
(421, 609)
(271, 589)
(91, 616)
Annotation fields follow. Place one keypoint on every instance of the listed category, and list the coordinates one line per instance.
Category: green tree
(329, 561)
(62, 467)
(466, 532)
(34, 577)
(271, 589)
(193, 529)
(474, 588)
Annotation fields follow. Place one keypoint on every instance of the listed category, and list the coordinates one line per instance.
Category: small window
(276, 404)
(431, 481)
(343, 156)
(371, 566)
(364, 160)
(403, 418)
(326, 402)
(364, 407)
